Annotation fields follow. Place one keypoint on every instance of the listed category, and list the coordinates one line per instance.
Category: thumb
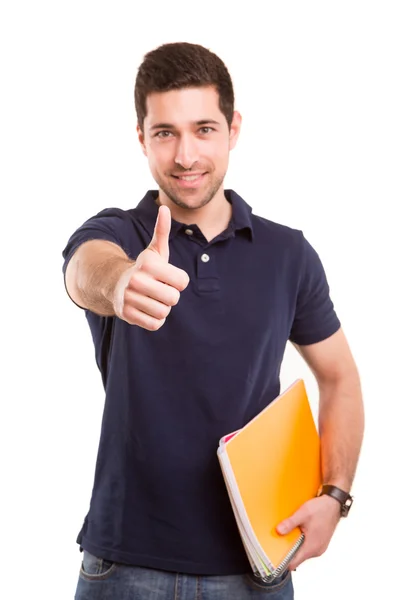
(289, 524)
(160, 241)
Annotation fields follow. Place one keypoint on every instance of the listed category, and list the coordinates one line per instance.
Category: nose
(186, 152)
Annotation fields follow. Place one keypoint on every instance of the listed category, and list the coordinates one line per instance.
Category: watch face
(346, 506)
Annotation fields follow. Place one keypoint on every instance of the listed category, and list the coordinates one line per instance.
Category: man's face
(187, 142)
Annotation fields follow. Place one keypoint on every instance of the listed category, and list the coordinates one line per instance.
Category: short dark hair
(182, 65)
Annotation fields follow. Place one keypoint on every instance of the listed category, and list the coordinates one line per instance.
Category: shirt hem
(155, 562)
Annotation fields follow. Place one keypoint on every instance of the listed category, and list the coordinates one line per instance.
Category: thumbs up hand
(146, 291)
(160, 241)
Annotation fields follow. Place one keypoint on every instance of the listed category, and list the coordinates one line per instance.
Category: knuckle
(138, 283)
(183, 281)
(323, 549)
(163, 312)
(174, 299)
(134, 281)
(127, 316)
(155, 324)
(131, 301)
(316, 550)
(149, 324)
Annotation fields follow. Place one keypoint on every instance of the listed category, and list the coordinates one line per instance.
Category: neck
(212, 219)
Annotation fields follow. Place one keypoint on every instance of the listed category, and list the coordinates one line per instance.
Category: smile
(189, 180)
(189, 177)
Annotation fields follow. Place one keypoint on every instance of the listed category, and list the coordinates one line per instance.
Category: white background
(317, 84)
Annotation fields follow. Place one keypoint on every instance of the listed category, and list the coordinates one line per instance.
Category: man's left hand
(317, 519)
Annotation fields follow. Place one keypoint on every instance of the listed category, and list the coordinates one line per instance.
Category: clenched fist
(146, 292)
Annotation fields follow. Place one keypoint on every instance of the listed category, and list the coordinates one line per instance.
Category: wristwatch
(344, 498)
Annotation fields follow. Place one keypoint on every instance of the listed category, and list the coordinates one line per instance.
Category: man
(191, 300)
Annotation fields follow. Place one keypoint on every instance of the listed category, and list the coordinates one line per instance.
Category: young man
(191, 300)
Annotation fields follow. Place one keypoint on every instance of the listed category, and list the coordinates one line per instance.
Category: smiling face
(187, 141)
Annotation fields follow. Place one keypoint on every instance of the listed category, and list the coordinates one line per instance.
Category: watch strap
(344, 498)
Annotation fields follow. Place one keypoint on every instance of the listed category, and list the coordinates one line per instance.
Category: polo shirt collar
(147, 211)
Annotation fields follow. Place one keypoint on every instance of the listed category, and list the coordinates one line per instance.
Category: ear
(235, 129)
(141, 139)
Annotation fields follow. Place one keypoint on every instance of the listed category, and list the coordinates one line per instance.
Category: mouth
(190, 181)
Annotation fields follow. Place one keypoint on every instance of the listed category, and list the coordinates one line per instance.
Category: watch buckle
(346, 506)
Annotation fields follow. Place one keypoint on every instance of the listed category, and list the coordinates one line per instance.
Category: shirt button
(205, 257)
(189, 231)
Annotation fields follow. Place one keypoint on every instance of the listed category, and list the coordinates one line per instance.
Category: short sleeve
(110, 224)
(315, 318)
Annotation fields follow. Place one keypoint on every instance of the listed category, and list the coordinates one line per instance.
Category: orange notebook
(271, 467)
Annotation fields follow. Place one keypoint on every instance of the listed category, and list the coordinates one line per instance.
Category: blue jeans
(103, 580)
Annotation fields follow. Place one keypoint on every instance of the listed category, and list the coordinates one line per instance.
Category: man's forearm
(341, 428)
(93, 273)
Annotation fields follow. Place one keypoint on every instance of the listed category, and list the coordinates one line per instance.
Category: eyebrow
(171, 126)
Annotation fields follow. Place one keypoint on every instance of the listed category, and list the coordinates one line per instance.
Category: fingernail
(282, 528)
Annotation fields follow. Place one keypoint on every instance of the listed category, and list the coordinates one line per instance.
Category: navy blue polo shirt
(159, 498)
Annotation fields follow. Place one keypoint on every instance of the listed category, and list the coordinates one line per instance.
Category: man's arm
(101, 278)
(341, 428)
(341, 411)
(92, 274)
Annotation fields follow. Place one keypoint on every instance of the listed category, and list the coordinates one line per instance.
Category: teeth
(190, 177)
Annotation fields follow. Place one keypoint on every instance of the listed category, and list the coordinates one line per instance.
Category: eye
(206, 129)
(163, 134)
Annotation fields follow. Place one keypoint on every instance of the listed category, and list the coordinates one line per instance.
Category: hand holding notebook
(318, 519)
(271, 467)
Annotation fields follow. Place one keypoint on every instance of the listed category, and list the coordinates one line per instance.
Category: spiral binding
(280, 568)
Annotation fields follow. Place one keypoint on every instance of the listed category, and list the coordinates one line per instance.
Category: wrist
(331, 503)
(342, 497)
(341, 483)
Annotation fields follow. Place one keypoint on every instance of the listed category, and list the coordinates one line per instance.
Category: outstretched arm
(341, 429)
